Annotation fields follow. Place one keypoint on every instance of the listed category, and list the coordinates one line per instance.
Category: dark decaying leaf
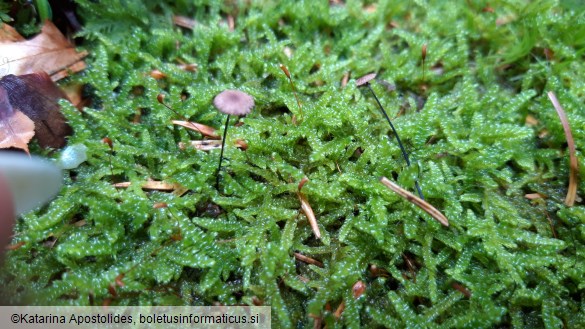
(16, 129)
(37, 97)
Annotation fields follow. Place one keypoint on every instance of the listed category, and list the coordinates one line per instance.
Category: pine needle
(574, 165)
(198, 127)
(306, 207)
(152, 185)
(307, 259)
(427, 207)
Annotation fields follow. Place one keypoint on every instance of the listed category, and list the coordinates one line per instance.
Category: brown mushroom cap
(365, 79)
(233, 102)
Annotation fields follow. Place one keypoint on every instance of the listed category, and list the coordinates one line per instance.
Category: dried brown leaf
(8, 33)
(74, 93)
(37, 97)
(49, 51)
(16, 130)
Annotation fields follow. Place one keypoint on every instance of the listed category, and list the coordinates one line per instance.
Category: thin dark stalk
(287, 73)
(160, 99)
(404, 154)
(227, 121)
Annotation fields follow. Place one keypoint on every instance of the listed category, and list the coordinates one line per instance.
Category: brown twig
(461, 289)
(108, 141)
(308, 260)
(551, 224)
(574, 166)
(427, 207)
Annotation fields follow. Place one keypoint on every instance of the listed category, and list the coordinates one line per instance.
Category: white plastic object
(72, 156)
(32, 180)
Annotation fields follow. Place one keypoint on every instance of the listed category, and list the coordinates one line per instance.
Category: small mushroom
(231, 102)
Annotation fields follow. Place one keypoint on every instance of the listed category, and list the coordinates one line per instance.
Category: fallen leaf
(4, 67)
(36, 96)
(7, 212)
(574, 164)
(74, 92)
(16, 129)
(8, 33)
(49, 51)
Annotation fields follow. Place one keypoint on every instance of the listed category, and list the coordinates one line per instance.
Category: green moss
(474, 157)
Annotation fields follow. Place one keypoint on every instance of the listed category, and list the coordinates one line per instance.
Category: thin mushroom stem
(287, 73)
(424, 57)
(227, 121)
(404, 154)
(230, 102)
(161, 98)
